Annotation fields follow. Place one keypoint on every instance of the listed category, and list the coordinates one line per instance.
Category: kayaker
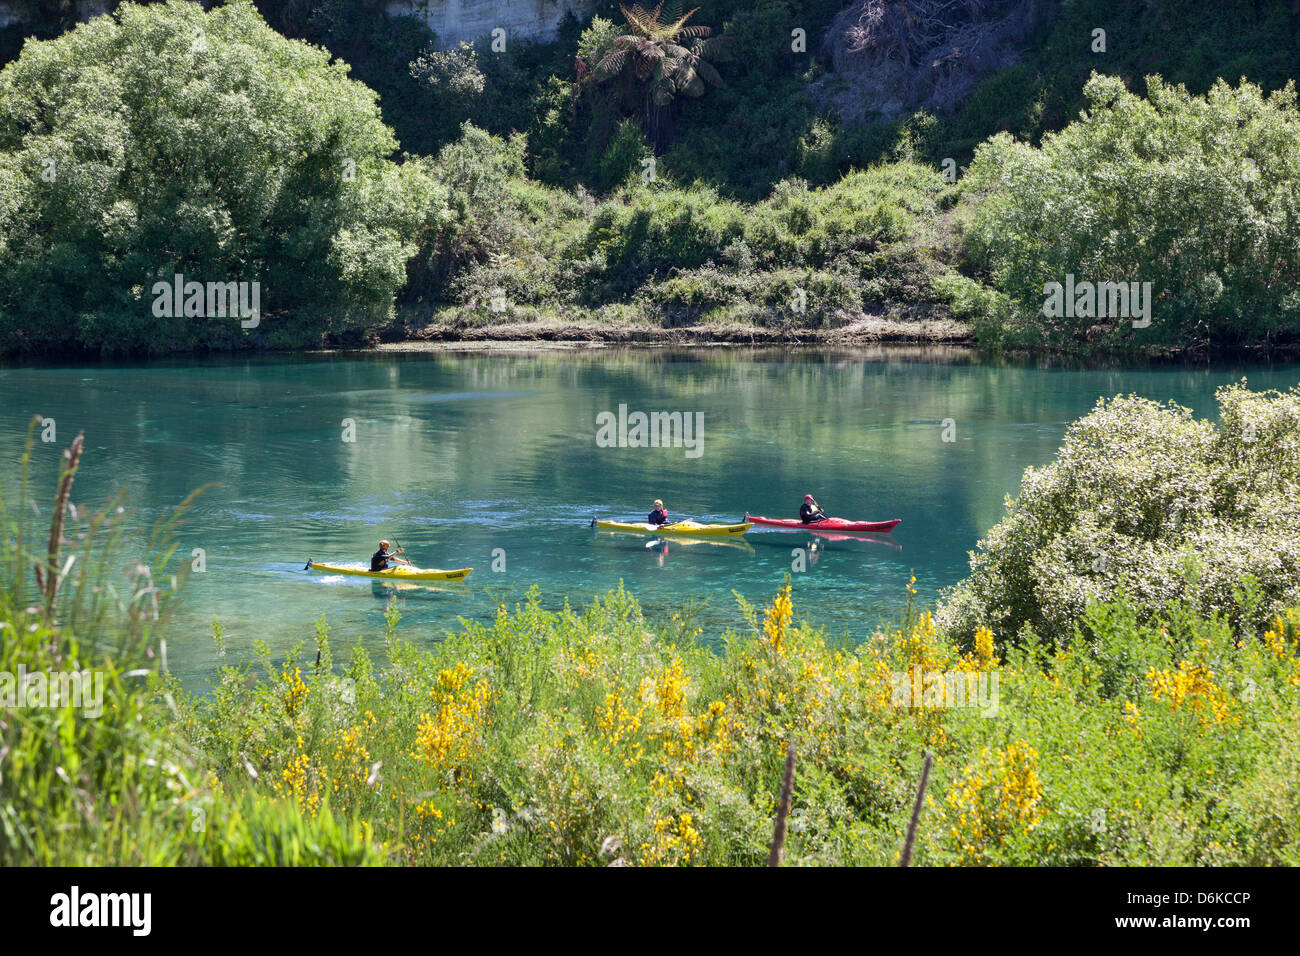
(810, 511)
(379, 560)
(659, 516)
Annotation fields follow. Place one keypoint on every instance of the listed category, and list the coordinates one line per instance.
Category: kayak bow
(830, 524)
(404, 572)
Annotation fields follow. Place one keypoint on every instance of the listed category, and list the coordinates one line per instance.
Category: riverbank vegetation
(598, 736)
(1145, 712)
(1146, 499)
(90, 775)
(559, 183)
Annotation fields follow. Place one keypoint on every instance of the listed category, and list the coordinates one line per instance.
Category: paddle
(401, 550)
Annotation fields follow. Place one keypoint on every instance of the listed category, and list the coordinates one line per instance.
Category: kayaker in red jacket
(810, 511)
(659, 516)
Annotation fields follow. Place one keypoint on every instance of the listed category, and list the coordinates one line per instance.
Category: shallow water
(457, 455)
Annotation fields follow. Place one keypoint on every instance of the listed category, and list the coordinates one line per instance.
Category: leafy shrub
(453, 75)
(497, 220)
(1147, 500)
(167, 140)
(642, 232)
(1150, 191)
(623, 156)
(805, 297)
(984, 308)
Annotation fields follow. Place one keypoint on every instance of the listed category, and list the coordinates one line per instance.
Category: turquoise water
(461, 457)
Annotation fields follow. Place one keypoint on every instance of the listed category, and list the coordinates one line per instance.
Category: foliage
(117, 171)
(594, 736)
(496, 219)
(654, 65)
(453, 73)
(1146, 500)
(1150, 191)
(96, 775)
(804, 257)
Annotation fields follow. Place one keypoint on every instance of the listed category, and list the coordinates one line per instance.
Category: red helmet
(809, 498)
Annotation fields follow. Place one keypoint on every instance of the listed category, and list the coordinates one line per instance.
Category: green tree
(654, 67)
(166, 140)
(1199, 196)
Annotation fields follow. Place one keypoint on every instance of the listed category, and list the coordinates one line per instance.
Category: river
(491, 459)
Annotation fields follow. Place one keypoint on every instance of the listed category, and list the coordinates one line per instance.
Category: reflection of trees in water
(264, 429)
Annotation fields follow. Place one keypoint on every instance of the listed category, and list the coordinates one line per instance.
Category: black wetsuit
(379, 560)
(808, 515)
(658, 516)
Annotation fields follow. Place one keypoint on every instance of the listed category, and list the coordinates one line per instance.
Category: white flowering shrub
(1147, 500)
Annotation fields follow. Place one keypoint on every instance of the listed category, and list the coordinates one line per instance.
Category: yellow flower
(997, 796)
(449, 737)
(295, 690)
(984, 652)
(777, 618)
(676, 842)
(1192, 686)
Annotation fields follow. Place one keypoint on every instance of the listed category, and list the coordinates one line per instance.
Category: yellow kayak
(689, 528)
(402, 572)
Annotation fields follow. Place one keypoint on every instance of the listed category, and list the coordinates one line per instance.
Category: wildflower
(997, 796)
(448, 737)
(1192, 686)
(295, 690)
(984, 652)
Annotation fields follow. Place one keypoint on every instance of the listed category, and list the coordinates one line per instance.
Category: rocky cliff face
(457, 20)
(891, 57)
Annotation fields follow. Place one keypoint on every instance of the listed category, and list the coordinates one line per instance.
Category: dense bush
(1151, 191)
(166, 140)
(498, 228)
(585, 737)
(1147, 500)
(802, 257)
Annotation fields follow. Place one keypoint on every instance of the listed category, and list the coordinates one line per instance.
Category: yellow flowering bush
(1192, 686)
(450, 736)
(675, 842)
(295, 690)
(998, 796)
(584, 738)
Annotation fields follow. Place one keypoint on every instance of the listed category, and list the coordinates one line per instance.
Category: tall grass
(106, 781)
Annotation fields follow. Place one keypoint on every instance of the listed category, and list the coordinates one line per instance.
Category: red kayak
(830, 524)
